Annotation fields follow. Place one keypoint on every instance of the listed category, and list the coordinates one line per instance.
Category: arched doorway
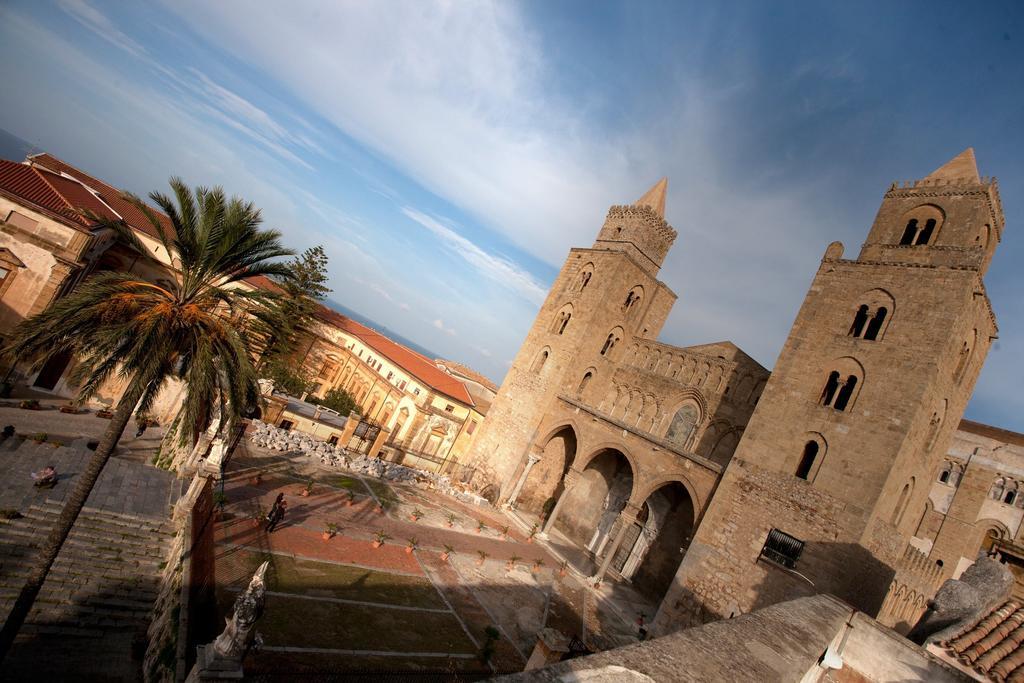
(652, 549)
(593, 505)
(545, 480)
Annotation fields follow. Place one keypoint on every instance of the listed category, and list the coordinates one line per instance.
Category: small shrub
(39, 437)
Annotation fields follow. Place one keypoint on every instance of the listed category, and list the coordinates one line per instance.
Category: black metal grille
(781, 548)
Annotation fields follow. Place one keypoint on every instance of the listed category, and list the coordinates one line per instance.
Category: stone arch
(712, 433)
(725, 446)
(714, 378)
(585, 380)
(873, 311)
(561, 319)
(844, 379)
(685, 421)
(921, 225)
(989, 532)
(586, 273)
(646, 488)
(540, 360)
(633, 299)
(610, 342)
(596, 450)
(900, 509)
(592, 506)
(650, 552)
(935, 423)
(810, 459)
(545, 481)
(966, 351)
(648, 412)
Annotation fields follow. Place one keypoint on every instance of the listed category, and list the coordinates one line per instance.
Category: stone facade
(869, 386)
(619, 440)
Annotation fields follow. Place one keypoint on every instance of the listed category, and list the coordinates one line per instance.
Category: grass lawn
(296, 622)
(323, 579)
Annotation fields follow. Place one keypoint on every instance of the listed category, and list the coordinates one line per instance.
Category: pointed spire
(962, 166)
(655, 197)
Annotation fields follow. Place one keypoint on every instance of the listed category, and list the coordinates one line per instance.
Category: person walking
(276, 513)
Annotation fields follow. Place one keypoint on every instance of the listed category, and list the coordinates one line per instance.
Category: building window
(838, 392)
(471, 428)
(449, 408)
(807, 459)
(609, 343)
(416, 391)
(868, 326)
(390, 375)
(401, 385)
(538, 364)
(781, 548)
(287, 425)
(909, 232)
(584, 382)
(333, 440)
(585, 275)
(683, 424)
(4, 272)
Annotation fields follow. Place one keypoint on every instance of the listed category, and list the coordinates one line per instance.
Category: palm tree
(142, 333)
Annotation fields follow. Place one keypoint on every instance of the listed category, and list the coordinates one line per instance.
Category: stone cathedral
(707, 483)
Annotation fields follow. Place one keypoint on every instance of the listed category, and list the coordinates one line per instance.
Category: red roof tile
(416, 364)
(30, 185)
(111, 195)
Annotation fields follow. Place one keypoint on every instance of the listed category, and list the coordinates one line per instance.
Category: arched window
(633, 298)
(998, 488)
(909, 232)
(565, 321)
(965, 354)
(807, 459)
(945, 474)
(538, 364)
(901, 504)
(584, 382)
(923, 222)
(859, 319)
(683, 424)
(1010, 496)
(585, 274)
(609, 343)
(871, 334)
(845, 393)
(926, 232)
(829, 392)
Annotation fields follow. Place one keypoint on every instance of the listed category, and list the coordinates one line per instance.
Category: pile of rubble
(274, 438)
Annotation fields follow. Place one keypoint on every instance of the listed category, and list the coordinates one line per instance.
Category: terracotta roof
(1004, 435)
(31, 186)
(993, 645)
(416, 364)
(110, 194)
(468, 373)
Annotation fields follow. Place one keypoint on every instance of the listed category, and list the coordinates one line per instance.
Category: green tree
(282, 323)
(119, 325)
(336, 399)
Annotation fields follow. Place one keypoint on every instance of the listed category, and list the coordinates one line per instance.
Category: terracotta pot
(414, 518)
(408, 550)
(479, 563)
(561, 572)
(536, 570)
(444, 557)
(255, 522)
(377, 544)
(380, 509)
(449, 525)
(349, 503)
(530, 539)
(326, 535)
(304, 493)
(255, 481)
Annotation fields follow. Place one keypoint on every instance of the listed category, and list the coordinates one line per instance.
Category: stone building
(429, 415)
(621, 441)
(615, 440)
(976, 503)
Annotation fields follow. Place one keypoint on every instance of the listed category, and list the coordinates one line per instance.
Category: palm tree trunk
(75, 502)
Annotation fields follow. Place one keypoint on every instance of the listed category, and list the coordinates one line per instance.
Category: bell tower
(602, 298)
(832, 474)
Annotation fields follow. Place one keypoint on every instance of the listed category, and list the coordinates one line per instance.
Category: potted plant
(219, 500)
(104, 413)
(414, 544)
(350, 499)
(29, 404)
(480, 526)
(39, 437)
(537, 566)
(448, 550)
(504, 533)
(563, 568)
(70, 408)
(450, 519)
(256, 517)
(416, 515)
(380, 538)
(511, 564)
(307, 490)
(533, 532)
(56, 444)
(256, 479)
(380, 509)
(330, 529)
(481, 557)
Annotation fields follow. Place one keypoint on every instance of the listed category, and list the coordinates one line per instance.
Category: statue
(238, 635)
(222, 659)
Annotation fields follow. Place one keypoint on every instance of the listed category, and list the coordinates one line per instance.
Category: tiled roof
(416, 364)
(468, 373)
(110, 194)
(31, 186)
(991, 432)
(992, 645)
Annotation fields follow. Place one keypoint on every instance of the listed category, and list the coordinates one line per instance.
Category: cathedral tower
(832, 474)
(602, 298)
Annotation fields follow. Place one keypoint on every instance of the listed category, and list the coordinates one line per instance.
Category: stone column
(572, 478)
(532, 459)
(627, 517)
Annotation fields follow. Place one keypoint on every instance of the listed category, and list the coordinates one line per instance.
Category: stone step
(108, 593)
(49, 511)
(33, 530)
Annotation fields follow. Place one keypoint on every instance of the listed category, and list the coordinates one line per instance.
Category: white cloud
(439, 324)
(97, 22)
(496, 268)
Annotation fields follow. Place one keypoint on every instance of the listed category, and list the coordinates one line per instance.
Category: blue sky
(448, 155)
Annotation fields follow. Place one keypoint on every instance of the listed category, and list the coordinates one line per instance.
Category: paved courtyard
(343, 605)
